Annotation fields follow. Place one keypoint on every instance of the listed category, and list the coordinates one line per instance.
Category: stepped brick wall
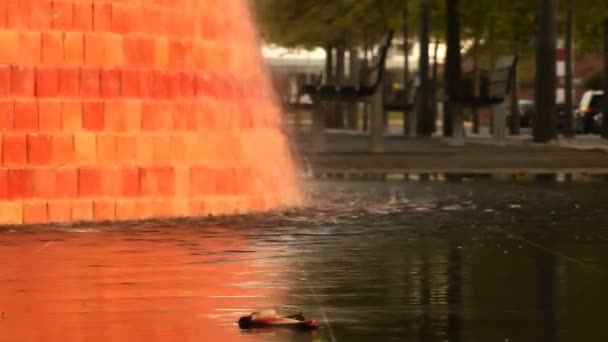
(120, 110)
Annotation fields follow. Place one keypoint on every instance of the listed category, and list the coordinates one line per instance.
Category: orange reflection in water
(111, 286)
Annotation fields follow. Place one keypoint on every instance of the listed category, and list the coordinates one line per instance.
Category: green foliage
(500, 26)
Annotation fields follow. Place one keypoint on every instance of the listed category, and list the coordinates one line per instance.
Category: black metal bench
(492, 92)
(363, 92)
(353, 93)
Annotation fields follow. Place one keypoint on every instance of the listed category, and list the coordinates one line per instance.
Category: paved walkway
(349, 152)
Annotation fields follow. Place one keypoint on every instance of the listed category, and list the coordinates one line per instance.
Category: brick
(201, 181)
(85, 148)
(90, 82)
(130, 184)
(66, 182)
(71, 115)
(22, 81)
(198, 207)
(126, 210)
(89, 181)
(133, 115)
(102, 16)
(114, 55)
(73, 48)
(154, 20)
(126, 148)
(181, 207)
(147, 51)
(106, 148)
(18, 14)
(5, 81)
(145, 150)
(52, 48)
(63, 149)
(69, 82)
(60, 211)
(7, 114)
(199, 50)
(157, 116)
(173, 80)
(26, 115)
(163, 207)
(131, 83)
(111, 182)
(47, 82)
(82, 211)
(161, 52)
(123, 16)
(94, 49)
(157, 181)
(11, 213)
(104, 210)
(161, 145)
(63, 15)
(40, 15)
(35, 213)
(182, 181)
(110, 83)
(3, 183)
(30, 48)
(179, 119)
(39, 148)
(201, 84)
(14, 149)
(178, 146)
(83, 15)
(114, 112)
(132, 50)
(186, 84)
(19, 184)
(49, 115)
(3, 10)
(93, 118)
(178, 51)
(144, 209)
(156, 84)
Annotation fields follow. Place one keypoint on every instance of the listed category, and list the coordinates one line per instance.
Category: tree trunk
(568, 112)
(352, 118)
(435, 87)
(544, 123)
(605, 107)
(406, 67)
(476, 84)
(364, 77)
(422, 105)
(338, 111)
(329, 64)
(515, 122)
(453, 64)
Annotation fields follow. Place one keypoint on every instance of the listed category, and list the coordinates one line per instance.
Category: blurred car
(589, 113)
(526, 113)
(561, 118)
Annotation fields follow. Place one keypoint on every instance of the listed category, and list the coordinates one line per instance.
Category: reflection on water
(414, 262)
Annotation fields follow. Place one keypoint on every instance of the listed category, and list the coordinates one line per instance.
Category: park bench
(492, 93)
(362, 92)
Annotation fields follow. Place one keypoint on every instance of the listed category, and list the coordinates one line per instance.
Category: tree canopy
(496, 24)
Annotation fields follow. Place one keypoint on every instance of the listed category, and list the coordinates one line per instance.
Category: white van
(590, 111)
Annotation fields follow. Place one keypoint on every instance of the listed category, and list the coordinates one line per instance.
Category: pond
(369, 261)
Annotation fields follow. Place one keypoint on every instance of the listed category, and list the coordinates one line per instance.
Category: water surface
(369, 261)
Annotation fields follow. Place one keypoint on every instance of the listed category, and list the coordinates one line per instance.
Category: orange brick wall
(115, 110)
